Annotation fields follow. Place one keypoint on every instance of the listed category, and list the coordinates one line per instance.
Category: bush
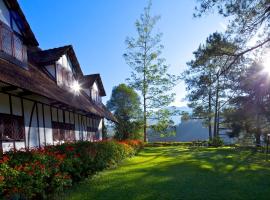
(39, 173)
(184, 144)
(216, 142)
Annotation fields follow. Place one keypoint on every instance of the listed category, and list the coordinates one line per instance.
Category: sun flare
(76, 87)
(266, 62)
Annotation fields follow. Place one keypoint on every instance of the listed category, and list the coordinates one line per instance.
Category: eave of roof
(36, 81)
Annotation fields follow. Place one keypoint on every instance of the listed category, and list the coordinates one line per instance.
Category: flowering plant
(39, 173)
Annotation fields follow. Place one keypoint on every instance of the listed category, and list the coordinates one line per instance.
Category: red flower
(4, 159)
(69, 148)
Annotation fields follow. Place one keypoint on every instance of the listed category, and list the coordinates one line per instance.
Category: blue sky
(97, 30)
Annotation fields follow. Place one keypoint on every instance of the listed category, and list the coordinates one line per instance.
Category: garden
(182, 172)
(46, 173)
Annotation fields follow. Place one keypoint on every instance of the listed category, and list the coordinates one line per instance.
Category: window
(11, 128)
(11, 43)
(95, 96)
(65, 77)
(63, 132)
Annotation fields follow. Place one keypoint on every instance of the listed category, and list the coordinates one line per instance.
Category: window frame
(20, 137)
(61, 131)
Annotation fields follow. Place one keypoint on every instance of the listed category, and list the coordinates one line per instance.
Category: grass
(162, 173)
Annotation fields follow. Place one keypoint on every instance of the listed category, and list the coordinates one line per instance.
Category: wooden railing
(11, 44)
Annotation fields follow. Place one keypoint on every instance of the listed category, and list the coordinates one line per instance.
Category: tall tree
(125, 104)
(207, 90)
(249, 111)
(149, 73)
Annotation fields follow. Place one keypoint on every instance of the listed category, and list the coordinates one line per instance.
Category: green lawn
(181, 173)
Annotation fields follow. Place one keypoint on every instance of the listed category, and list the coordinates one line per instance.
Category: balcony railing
(11, 44)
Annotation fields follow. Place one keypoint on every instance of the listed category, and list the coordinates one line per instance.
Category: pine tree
(149, 73)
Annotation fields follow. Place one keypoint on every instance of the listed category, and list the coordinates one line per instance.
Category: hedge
(41, 173)
(185, 144)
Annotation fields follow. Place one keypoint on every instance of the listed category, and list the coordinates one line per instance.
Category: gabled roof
(88, 81)
(39, 83)
(18, 14)
(50, 56)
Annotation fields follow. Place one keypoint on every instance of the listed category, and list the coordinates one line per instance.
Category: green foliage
(249, 111)
(184, 144)
(125, 104)
(128, 130)
(104, 130)
(42, 173)
(149, 73)
(164, 124)
(208, 87)
(185, 116)
(216, 142)
(247, 17)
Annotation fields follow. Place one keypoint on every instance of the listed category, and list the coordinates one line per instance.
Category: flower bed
(39, 173)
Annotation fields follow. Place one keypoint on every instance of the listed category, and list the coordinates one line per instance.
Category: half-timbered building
(45, 99)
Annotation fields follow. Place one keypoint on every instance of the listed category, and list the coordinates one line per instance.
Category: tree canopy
(125, 104)
(149, 74)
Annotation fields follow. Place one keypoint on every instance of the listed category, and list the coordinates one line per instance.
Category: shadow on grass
(181, 173)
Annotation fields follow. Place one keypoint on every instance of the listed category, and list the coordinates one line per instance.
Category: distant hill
(176, 118)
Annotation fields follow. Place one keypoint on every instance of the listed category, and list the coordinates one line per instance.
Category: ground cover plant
(181, 172)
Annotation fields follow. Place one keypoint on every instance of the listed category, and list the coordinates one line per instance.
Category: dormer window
(11, 42)
(93, 87)
(95, 93)
(65, 72)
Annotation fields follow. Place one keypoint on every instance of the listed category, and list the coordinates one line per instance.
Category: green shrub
(216, 142)
(185, 144)
(39, 173)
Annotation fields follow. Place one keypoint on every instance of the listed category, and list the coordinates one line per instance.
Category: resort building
(45, 99)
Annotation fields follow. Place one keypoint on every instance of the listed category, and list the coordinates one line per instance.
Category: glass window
(63, 132)
(11, 128)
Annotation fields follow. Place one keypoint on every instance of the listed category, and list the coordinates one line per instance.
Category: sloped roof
(17, 11)
(36, 81)
(88, 81)
(50, 56)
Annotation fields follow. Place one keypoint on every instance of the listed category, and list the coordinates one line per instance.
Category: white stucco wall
(48, 125)
(31, 127)
(100, 129)
(38, 131)
(65, 62)
(77, 127)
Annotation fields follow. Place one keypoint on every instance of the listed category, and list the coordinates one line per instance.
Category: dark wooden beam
(56, 103)
(9, 88)
(25, 93)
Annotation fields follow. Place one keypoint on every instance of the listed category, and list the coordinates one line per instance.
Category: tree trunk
(216, 108)
(144, 94)
(258, 131)
(218, 116)
(144, 121)
(209, 116)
